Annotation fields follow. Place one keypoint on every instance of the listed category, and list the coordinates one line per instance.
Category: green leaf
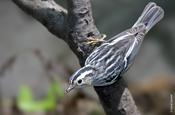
(55, 91)
(25, 99)
(26, 103)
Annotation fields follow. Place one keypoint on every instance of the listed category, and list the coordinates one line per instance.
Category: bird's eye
(79, 81)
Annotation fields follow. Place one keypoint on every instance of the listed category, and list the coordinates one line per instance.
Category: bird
(115, 56)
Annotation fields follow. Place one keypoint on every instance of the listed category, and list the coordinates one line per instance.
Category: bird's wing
(119, 62)
(116, 55)
(118, 41)
(109, 59)
(99, 50)
(96, 53)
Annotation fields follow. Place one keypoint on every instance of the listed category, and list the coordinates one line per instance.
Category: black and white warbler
(116, 55)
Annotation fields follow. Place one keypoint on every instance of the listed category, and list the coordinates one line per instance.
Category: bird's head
(82, 77)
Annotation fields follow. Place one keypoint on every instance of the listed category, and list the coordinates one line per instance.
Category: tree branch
(74, 28)
(47, 12)
(117, 99)
(81, 26)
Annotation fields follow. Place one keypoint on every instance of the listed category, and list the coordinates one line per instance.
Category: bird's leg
(93, 40)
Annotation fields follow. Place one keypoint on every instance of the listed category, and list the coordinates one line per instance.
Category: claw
(94, 41)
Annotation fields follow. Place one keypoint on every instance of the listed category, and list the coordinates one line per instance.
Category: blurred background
(35, 65)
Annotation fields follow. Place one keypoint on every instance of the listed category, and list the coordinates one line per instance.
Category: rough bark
(117, 99)
(74, 27)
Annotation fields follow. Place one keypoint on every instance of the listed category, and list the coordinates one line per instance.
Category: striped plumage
(115, 55)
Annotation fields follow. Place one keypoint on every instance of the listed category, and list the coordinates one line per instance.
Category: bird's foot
(94, 40)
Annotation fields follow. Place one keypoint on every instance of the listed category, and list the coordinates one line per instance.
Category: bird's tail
(151, 15)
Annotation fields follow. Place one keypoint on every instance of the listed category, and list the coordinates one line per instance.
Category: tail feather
(151, 15)
(148, 7)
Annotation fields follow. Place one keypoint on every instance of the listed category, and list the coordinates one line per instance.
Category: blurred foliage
(27, 103)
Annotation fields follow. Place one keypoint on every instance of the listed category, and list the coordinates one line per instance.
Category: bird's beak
(71, 87)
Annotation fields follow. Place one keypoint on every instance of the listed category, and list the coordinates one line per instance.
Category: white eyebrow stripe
(84, 74)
